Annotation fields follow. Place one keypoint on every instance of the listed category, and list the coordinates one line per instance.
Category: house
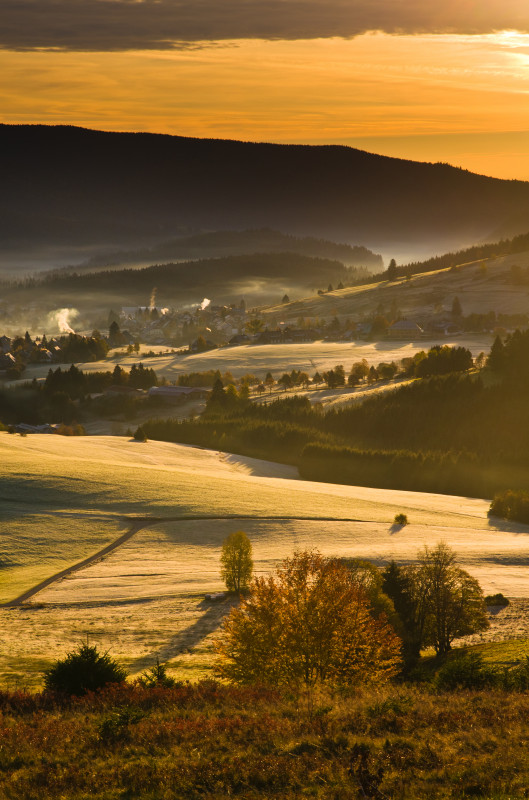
(445, 328)
(179, 392)
(5, 344)
(239, 338)
(7, 360)
(23, 427)
(270, 337)
(405, 329)
(303, 335)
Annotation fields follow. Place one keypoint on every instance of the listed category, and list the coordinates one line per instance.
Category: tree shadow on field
(509, 526)
(190, 637)
(396, 528)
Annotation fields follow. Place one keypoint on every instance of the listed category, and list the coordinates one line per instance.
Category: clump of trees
(511, 505)
(442, 359)
(309, 624)
(437, 601)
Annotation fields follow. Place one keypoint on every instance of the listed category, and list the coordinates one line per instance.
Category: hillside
(259, 276)
(214, 742)
(481, 286)
(145, 598)
(67, 185)
(232, 243)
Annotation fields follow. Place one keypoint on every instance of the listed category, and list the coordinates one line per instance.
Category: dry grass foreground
(212, 742)
(65, 499)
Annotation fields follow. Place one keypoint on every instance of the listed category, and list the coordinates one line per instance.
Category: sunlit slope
(116, 476)
(65, 498)
(481, 286)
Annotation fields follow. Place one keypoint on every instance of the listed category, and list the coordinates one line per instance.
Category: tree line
(451, 433)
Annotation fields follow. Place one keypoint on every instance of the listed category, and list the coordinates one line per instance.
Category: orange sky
(456, 98)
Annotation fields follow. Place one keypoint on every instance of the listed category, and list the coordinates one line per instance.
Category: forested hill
(72, 185)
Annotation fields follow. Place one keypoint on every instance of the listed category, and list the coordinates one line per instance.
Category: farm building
(405, 329)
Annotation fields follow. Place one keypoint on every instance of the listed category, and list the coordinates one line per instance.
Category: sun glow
(392, 94)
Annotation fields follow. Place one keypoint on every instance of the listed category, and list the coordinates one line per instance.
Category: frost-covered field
(65, 498)
(260, 359)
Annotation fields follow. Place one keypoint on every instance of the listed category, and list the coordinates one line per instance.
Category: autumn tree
(254, 326)
(359, 371)
(236, 561)
(285, 381)
(307, 625)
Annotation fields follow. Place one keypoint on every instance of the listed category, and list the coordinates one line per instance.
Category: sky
(431, 81)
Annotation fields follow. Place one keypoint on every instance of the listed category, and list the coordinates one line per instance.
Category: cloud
(112, 25)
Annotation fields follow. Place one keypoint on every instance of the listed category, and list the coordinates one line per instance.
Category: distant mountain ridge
(233, 243)
(65, 184)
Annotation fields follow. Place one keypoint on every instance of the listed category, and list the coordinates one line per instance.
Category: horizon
(353, 146)
(408, 80)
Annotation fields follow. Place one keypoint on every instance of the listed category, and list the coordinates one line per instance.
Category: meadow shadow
(188, 638)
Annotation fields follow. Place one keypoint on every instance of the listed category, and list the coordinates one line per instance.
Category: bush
(466, 671)
(156, 676)
(84, 670)
(140, 435)
(115, 728)
(401, 519)
(516, 678)
(496, 600)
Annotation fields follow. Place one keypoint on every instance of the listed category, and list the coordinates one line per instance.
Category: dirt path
(134, 528)
(145, 522)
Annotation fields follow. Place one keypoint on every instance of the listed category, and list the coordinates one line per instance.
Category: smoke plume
(204, 304)
(152, 301)
(62, 319)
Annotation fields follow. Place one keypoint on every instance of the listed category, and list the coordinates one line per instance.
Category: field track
(145, 522)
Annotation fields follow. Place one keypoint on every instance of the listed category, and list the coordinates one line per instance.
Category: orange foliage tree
(308, 625)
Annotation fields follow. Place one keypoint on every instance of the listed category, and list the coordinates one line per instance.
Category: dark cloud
(162, 24)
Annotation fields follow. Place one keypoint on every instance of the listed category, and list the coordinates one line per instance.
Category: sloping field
(479, 290)
(65, 498)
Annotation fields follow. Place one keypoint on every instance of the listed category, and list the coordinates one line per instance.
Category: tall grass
(212, 741)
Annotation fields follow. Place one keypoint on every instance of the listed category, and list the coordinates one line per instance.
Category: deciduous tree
(309, 624)
(236, 560)
(452, 600)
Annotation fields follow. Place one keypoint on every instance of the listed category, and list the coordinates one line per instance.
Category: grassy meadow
(66, 498)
